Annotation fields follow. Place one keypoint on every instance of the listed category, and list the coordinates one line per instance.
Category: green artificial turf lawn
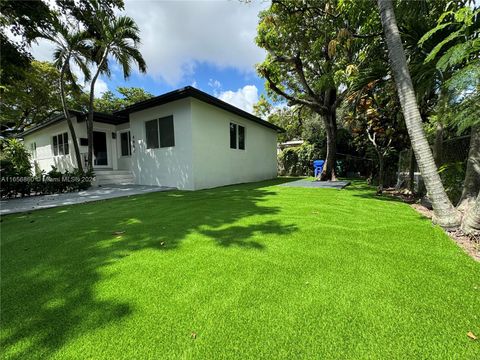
(254, 271)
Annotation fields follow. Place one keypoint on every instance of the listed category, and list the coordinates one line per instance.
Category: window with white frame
(60, 144)
(125, 143)
(237, 136)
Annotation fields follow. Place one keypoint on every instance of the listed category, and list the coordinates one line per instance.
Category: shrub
(13, 184)
(14, 151)
(453, 175)
(297, 161)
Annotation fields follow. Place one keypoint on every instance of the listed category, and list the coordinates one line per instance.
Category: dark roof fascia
(81, 116)
(189, 91)
(52, 120)
(105, 118)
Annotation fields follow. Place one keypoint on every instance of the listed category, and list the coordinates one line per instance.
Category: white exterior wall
(43, 139)
(201, 157)
(123, 162)
(214, 163)
(170, 166)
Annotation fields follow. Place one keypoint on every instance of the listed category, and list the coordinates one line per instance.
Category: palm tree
(471, 221)
(445, 213)
(72, 47)
(119, 38)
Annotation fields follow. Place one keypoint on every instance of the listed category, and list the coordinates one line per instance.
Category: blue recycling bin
(318, 167)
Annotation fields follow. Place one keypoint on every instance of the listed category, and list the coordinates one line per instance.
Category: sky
(208, 44)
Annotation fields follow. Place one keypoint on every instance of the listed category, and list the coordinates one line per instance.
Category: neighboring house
(288, 144)
(185, 139)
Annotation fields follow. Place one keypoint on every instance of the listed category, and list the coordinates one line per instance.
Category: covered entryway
(100, 153)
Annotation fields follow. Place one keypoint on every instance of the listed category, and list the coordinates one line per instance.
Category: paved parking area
(306, 183)
(11, 206)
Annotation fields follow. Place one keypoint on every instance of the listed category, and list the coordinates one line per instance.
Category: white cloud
(178, 35)
(100, 87)
(243, 98)
(215, 85)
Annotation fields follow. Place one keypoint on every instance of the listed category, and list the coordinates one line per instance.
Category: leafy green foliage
(33, 98)
(110, 102)
(14, 183)
(453, 175)
(13, 151)
(459, 62)
(28, 20)
(297, 161)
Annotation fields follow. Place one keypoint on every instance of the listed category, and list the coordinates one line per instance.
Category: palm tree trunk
(90, 110)
(328, 173)
(411, 171)
(471, 221)
(471, 184)
(444, 213)
(66, 114)
(438, 144)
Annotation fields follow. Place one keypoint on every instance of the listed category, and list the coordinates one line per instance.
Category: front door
(100, 155)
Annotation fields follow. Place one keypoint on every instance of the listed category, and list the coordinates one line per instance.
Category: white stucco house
(186, 139)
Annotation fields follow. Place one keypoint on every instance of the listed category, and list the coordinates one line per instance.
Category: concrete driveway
(11, 206)
(307, 183)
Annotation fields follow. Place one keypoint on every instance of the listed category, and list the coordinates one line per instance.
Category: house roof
(190, 91)
(81, 116)
(120, 117)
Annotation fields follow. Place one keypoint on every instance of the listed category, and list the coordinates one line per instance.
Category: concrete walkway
(306, 183)
(93, 194)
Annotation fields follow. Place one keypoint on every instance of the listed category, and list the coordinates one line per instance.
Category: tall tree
(118, 38)
(305, 43)
(28, 20)
(32, 99)
(376, 122)
(110, 102)
(444, 212)
(72, 47)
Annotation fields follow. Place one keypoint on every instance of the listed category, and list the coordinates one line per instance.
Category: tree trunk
(380, 172)
(328, 173)
(444, 213)
(90, 110)
(330, 121)
(66, 113)
(411, 172)
(471, 221)
(471, 184)
(438, 144)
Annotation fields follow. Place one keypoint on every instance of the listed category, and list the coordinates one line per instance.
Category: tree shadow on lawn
(52, 259)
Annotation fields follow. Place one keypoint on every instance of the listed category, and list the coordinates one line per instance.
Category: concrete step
(112, 172)
(113, 177)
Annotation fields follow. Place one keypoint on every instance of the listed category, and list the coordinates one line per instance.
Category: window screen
(60, 144)
(167, 136)
(233, 136)
(55, 145)
(126, 149)
(241, 137)
(151, 130)
(65, 144)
